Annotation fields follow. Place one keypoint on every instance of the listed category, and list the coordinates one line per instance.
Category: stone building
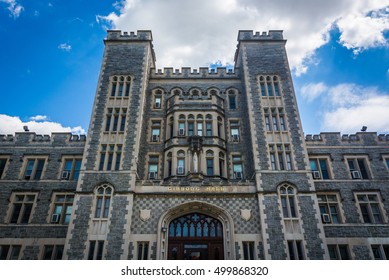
(194, 164)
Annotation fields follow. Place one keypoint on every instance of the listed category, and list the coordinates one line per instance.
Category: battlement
(188, 72)
(249, 35)
(118, 35)
(335, 138)
(57, 138)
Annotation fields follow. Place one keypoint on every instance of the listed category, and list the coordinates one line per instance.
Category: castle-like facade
(194, 164)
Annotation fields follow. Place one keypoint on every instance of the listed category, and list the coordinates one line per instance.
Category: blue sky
(51, 53)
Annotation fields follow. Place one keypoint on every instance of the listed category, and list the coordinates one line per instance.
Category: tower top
(249, 35)
(141, 35)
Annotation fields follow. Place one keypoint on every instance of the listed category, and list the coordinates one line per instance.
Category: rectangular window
(358, 168)
(96, 250)
(181, 129)
(180, 166)
(62, 209)
(263, 91)
(157, 102)
(22, 205)
(127, 92)
(143, 250)
(53, 252)
(329, 208)
(153, 167)
(248, 250)
(209, 128)
(10, 252)
(295, 248)
(34, 169)
(123, 123)
(120, 93)
(380, 252)
(110, 158)
(280, 157)
(113, 90)
(71, 169)
(387, 162)
(370, 207)
(232, 101)
(234, 131)
(267, 123)
(269, 90)
(210, 166)
(276, 89)
(237, 167)
(200, 129)
(3, 162)
(319, 168)
(338, 252)
(190, 128)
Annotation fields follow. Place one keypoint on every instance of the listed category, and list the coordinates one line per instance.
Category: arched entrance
(195, 236)
(196, 230)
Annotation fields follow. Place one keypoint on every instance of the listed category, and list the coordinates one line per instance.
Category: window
(153, 167)
(71, 169)
(190, 128)
(338, 252)
(329, 208)
(143, 250)
(96, 250)
(10, 252)
(180, 163)
(155, 131)
(53, 252)
(380, 252)
(248, 250)
(280, 157)
(209, 161)
(181, 129)
(22, 206)
(200, 129)
(157, 102)
(234, 126)
(232, 101)
(34, 168)
(3, 163)
(120, 86)
(269, 86)
(237, 167)
(110, 157)
(220, 127)
(358, 168)
(62, 208)
(103, 201)
(295, 249)
(287, 196)
(115, 119)
(319, 168)
(221, 164)
(369, 205)
(386, 162)
(208, 126)
(274, 119)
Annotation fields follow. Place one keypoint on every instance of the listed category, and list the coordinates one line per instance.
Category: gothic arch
(199, 207)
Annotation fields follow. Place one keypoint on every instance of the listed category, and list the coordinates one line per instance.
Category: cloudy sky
(51, 53)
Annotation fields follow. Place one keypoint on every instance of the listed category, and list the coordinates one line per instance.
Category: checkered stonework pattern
(160, 204)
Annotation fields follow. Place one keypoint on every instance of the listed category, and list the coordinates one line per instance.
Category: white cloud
(360, 32)
(13, 7)
(38, 118)
(348, 107)
(194, 33)
(37, 124)
(312, 91)
(65, 47)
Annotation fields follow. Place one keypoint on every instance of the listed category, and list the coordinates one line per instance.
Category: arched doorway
(195, 236)
(206, 212)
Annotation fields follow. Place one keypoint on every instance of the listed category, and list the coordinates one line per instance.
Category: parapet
(56, 138)
(335, 138)
(187, 72)
(249, 35)
(117, 35)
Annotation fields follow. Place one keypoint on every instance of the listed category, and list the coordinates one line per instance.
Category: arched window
(103, 201)
(195, 225)
(169, 164)
(221, 164)
(288, 203)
